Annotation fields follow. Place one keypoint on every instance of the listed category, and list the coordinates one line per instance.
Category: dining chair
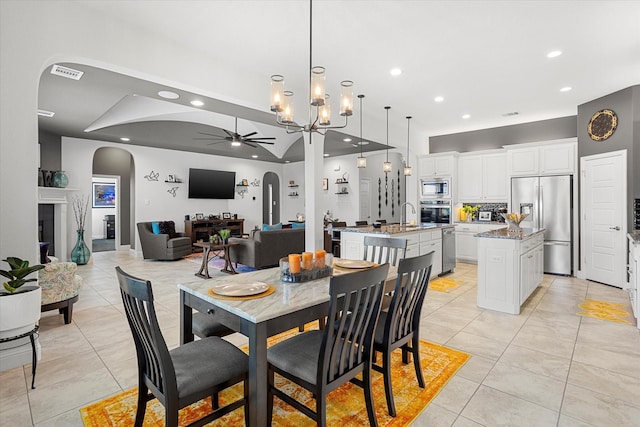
(204, 325)
(384, 249)
(184, 375)
(399, 326)
(323, 360)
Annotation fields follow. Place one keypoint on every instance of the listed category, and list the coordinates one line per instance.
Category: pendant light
(386, 167)
(407, 168)
(361, 161)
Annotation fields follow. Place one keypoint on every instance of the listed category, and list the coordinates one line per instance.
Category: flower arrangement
(80, 207)
(224, 235)
(470, 211)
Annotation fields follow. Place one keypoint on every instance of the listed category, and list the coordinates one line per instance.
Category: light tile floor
(545, 367)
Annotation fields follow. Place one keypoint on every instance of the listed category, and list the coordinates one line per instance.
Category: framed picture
(325, 183)
(484, 216)
(226, 215)
(171, 178)
(104, 195)
(199, 216)
(245, 182)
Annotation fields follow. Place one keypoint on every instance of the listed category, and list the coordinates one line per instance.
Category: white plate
(241, 289)
(353, 263)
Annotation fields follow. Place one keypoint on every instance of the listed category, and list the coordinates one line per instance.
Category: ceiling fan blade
(260, 138)
(250, 144)
(249, 134)
(264, 142)
(221, 138)
(228, 133)
(210, 134)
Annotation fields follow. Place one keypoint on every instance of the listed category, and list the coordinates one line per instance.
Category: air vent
(69, 73)
(513, 113)
(45, 113)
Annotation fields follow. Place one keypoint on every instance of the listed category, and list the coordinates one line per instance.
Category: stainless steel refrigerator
(548, 201)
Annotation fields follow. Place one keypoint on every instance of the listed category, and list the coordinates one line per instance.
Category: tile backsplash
(495, 208)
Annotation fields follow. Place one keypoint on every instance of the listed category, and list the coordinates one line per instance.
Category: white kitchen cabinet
(432, 241)
(466, 243)
(436, 165)
(547, 158)
(482, 178)
(509, 271)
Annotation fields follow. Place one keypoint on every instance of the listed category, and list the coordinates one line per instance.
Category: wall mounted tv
(211, 184)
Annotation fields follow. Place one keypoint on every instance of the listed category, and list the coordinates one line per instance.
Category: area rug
(216, 262)
(443, 284)
(345, 405)
(613, 312)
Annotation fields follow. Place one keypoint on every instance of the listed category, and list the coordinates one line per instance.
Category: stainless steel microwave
(435, 188)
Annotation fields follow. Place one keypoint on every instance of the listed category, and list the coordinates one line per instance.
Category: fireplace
(54, 226)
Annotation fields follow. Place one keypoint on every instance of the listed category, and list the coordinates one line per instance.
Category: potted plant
(470, 211)
(224, 235)
(19, 306)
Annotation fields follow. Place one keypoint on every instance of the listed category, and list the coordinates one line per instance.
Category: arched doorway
(115, 166)
(270, 198)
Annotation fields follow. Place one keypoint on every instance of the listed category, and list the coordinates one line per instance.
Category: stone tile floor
(544, 367)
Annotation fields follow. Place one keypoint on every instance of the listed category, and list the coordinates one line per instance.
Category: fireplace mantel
(59, 198)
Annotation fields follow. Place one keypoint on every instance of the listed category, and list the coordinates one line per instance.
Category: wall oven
(435, 212)
(435, 188)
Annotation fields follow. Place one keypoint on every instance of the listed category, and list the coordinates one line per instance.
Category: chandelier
(282, 105)
(407, 168)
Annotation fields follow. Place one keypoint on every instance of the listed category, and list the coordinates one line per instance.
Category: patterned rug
(443, 284)
(345, 405)
(218, 263)
(613, 312)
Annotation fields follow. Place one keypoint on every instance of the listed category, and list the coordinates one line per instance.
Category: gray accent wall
(50, 151)
(488, 139)
(118, 162)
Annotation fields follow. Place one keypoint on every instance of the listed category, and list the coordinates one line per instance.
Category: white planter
(19, 314)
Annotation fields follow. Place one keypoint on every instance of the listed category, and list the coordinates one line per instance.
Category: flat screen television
(211, 184)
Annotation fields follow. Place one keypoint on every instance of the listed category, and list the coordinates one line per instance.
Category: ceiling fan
(235, 138)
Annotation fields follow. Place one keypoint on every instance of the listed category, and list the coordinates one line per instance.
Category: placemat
(268, 292)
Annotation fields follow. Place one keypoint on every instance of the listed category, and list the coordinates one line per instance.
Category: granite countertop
(502, 233)
(480, 222)
(634, 236)
(394, 228)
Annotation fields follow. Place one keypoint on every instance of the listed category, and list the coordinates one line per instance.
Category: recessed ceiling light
(396, 71)
(566, 89)
(326, 154)
(236, 143)
(554, 54)
(347, 140)
(466, 116)
(45, 113)
(439, 98)
(197, 103)
(125, 139)
(168, 94)
(287, 161)
(255, 156)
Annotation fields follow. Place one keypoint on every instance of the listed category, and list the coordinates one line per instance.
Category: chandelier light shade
(361, 161)
(317, 97)
(407, 168)
(386, 167)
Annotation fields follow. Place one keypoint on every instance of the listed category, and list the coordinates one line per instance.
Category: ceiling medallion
(602, 125)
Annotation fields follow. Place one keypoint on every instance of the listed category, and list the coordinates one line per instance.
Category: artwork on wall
(153, 176)
(104, 195)
(255, 182)
(173, 191)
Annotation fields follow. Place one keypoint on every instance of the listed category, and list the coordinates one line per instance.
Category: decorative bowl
(514, 220)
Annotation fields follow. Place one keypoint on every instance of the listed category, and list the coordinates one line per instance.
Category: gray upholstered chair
(204, 325)
(321, 361)
(384, 249)
(162, 246)
(399, 326)
(184, 375)
(266, 247)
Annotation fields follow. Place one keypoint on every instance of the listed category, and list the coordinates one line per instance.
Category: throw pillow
(155, 227)
(297, 225)
(168, 227)
(266, 227)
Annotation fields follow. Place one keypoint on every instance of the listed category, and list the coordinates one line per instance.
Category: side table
(34, 360)
(207, 248)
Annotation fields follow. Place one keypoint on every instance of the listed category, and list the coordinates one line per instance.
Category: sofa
(166, 245)
(60, 287)
(266, 248)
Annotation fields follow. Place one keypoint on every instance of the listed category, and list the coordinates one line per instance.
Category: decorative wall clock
(602, 125)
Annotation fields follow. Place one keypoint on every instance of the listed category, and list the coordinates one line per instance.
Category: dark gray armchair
(162, 246)
(267, 247)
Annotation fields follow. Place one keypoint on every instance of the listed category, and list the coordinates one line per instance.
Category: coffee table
(214, 248)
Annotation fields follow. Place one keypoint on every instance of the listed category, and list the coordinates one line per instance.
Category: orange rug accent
(613, 312)
(346, 405)
(443, 284)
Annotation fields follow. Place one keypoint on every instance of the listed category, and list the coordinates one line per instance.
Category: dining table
(282, 307)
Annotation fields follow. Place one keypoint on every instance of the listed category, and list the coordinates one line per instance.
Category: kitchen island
(510, 267)
(420, 240)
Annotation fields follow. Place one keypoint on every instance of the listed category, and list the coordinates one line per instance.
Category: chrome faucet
(413, 210)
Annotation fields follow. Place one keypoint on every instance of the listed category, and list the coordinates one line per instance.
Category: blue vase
(80, 253)
(60, 179)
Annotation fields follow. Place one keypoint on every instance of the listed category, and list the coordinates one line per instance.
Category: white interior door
(365, 201)
(603, 217)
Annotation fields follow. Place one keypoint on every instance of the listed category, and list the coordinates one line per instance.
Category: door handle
(617, 228)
